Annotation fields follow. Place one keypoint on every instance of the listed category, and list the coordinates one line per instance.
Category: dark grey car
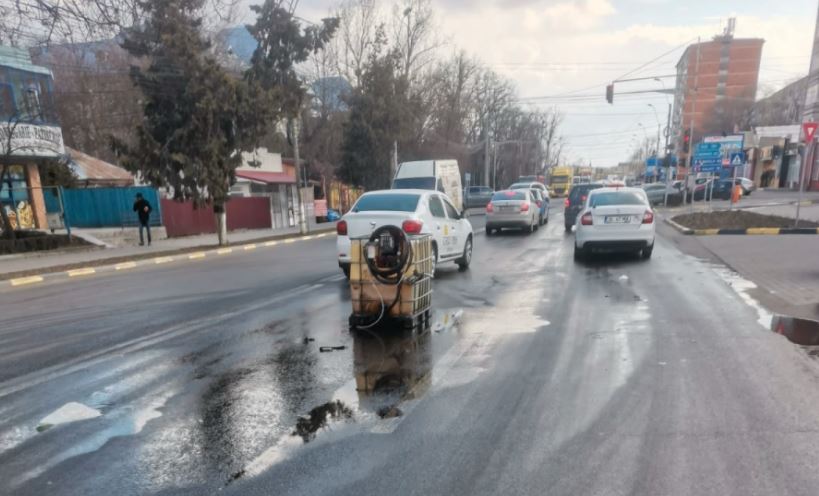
(574, 202)
(477, 196)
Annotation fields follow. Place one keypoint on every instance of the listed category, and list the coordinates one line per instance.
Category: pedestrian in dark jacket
(143, 210)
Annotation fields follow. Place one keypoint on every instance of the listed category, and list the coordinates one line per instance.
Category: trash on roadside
(327, 349)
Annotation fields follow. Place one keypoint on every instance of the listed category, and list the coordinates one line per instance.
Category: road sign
(467, 176)
(737, 158)
(809, 128)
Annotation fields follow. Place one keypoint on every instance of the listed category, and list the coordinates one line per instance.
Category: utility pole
(485, 152)
(690, 156)
(667, 156)
(394, 164)
(303, 229)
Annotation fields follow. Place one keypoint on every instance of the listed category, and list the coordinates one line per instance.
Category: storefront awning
(266, 177)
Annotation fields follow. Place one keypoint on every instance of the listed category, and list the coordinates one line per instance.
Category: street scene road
(409, 247)
(657, 374)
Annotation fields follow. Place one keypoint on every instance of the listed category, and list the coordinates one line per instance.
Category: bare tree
(355, 43)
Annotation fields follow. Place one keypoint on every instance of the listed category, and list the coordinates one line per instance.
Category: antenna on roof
(730, 27)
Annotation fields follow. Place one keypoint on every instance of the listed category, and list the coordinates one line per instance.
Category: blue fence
(104, 207)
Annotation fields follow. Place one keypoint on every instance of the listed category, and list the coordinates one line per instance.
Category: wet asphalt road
(538, 376)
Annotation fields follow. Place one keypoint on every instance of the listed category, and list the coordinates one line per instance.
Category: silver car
(512, 209)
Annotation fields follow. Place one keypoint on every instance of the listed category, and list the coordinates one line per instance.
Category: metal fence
(106, 207)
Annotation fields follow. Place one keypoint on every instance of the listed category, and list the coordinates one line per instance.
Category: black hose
(393, 274)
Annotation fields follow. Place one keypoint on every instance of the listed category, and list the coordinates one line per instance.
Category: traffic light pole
(690, 157)
(666, 156)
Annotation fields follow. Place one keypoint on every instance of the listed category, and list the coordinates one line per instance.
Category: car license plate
(618, 219)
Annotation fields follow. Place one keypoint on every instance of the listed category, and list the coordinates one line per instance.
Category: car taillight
(490, 208)
(412, 226)
(524, 207)
(648, 217)
(341, 228)
(582, 198)
(586, 220)
(566, 203)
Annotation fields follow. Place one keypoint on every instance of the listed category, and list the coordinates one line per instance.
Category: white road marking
(271, 243)
(125, 266)
(224, 251)
(250, 247)
(197, 255)
(162, 260)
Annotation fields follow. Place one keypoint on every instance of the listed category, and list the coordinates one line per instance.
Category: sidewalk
(784, 268)
(45, 262)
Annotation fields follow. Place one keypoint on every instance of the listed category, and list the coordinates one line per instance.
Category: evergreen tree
(197, 118)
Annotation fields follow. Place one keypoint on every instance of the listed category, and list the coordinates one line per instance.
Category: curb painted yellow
(81, 272)
(706, 232)
(762, 230)
(21, 281)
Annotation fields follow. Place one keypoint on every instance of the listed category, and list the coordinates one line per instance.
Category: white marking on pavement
(81, 272)
(196, 256)
(250, 247)
(90, 359)
(321, 235)
(125, 266)
(290, 240)
(162, 260)
(70, 412)
(21, 281)
(271, 243)
(224, 251)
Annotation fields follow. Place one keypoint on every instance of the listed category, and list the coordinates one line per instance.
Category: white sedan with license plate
(615, 220)
(416, 212)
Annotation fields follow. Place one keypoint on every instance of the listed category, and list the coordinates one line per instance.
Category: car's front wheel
(466, 258)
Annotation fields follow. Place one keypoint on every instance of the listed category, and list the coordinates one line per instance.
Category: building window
(32, 103)
(7, 109)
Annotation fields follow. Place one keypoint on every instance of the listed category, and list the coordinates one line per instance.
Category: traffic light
(686, 141)
(610, 93)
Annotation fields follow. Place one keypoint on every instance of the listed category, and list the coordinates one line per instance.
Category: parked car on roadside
(615, 220)
(416, 212)
(515, 209)
(477, 196)
(574, 202)
(656, 193)
(748, 186)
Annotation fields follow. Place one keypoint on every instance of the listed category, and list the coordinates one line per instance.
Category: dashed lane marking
(125, 266)
(162, 260)
(271, 243)
(290, 240)
(197, 256)
(224, 251)
(250, 247)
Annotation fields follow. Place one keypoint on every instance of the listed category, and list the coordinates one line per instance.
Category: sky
(568, 50)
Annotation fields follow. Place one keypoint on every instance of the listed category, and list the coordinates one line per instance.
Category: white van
(437, 175)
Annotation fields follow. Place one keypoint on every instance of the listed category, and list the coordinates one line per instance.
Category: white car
(615, 219)
(416, 212)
